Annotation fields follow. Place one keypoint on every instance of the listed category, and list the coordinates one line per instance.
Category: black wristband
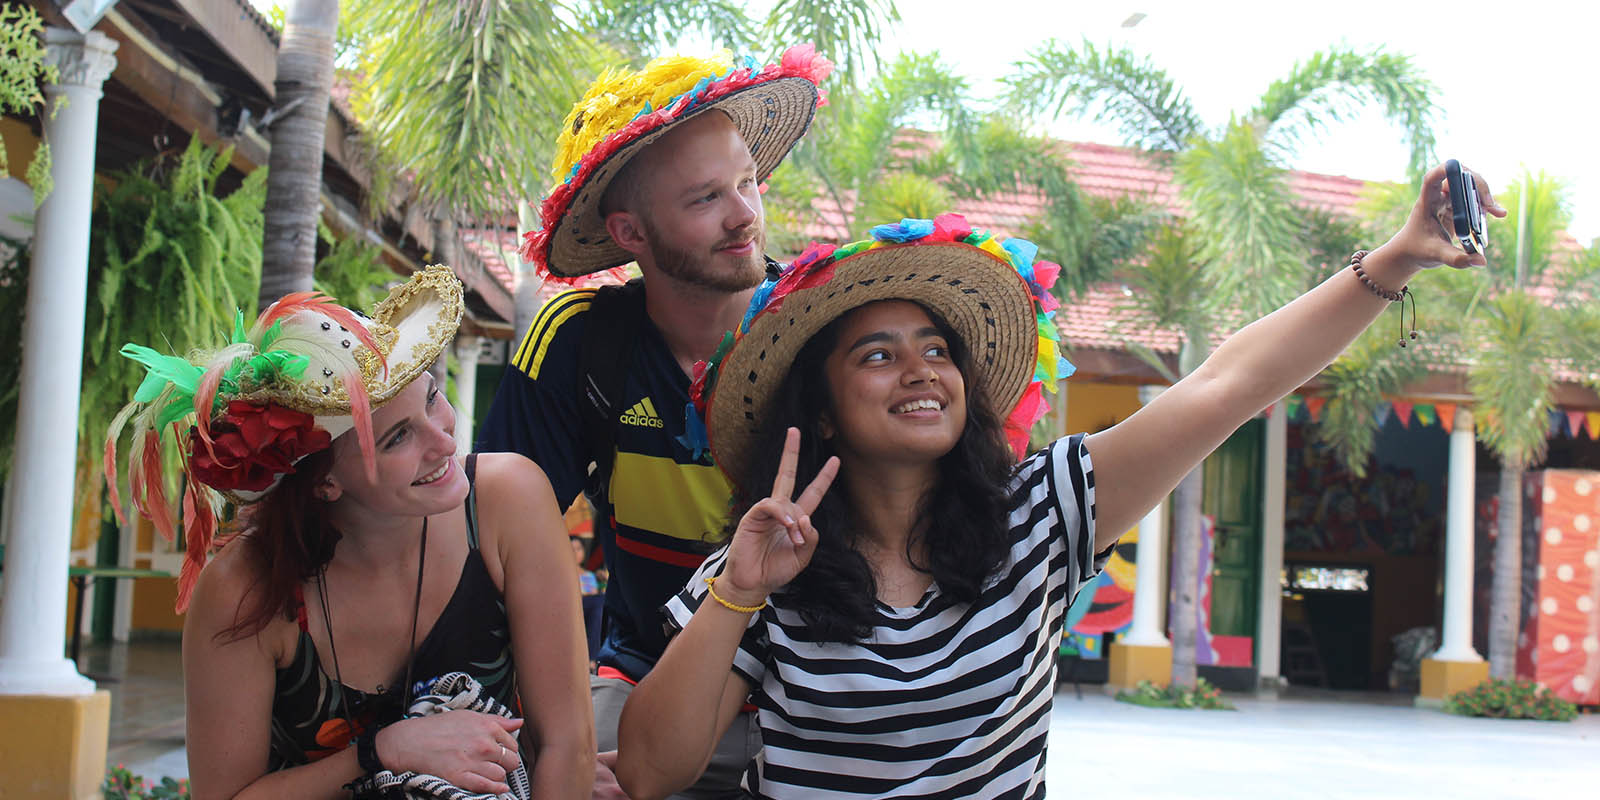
(367, 752)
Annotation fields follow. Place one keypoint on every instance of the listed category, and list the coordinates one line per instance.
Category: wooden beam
(163, 82)
(229, 25)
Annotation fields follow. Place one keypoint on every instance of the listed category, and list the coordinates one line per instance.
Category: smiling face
(694, 210)
(417, 472)
(895, 392)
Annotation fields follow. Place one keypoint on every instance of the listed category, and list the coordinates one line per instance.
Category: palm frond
(638, 28)
(1512, 377)
(1151, 112)
(464, 120)
(1331, 86)
(1242, 209)
(846, 31)
(1371, 368)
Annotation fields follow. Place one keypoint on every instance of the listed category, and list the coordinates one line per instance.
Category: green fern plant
(22, 68)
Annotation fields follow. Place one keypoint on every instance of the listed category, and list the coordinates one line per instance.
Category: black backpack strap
(614, 320)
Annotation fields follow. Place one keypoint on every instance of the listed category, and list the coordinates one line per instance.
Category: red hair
(286, 538)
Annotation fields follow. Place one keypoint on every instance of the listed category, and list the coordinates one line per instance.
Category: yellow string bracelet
(711, 587)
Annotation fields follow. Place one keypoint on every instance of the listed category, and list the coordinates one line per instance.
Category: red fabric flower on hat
(251, 445)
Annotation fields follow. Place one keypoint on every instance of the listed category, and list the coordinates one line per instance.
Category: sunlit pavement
(1304, 744)
(1313, 744)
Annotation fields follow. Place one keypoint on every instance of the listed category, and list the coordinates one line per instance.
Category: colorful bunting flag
(1402, 412)
(1293, 405)
(1382, 412)
(1447, 415)
(1426, 414)
(1558, 423)
(1314, 405)
(1575, 423)
(1593, 418)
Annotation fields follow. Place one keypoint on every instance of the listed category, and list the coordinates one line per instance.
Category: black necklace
(411, 655)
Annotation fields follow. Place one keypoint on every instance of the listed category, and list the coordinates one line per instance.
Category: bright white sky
(1516, 80)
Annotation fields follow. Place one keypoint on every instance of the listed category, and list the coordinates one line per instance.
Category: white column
(1459, 496)
(122, 617)
(1269, 624)
(33, 609)
(466, 390)
(1149, 591)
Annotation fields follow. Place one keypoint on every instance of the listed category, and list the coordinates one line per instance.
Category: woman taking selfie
(896, 621)
(365, 561)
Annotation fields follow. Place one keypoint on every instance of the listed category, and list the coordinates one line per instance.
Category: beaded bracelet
(1393, 297)
(711, 587)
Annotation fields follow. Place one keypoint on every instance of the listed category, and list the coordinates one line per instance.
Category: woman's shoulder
(225, 590)
(510, 473)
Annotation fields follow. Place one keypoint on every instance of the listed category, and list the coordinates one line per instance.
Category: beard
(699, 270)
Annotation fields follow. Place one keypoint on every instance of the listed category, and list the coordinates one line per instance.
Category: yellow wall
(153, 598)
(1093, 406)
(20, 144)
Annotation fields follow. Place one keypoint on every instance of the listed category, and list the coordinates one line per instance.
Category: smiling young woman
(897, 632)
(365, 565)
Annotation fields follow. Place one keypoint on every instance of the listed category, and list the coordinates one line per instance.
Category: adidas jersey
(664, 510)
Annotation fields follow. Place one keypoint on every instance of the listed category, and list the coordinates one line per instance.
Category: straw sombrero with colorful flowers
(992, 291)
(623, 112)
(242, 415)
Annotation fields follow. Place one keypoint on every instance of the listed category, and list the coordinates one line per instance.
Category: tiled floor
(145, 679)
(1301, 744)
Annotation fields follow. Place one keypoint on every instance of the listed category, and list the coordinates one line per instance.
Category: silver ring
(502, 752)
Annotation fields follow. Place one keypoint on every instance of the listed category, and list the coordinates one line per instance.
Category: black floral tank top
(314, 716)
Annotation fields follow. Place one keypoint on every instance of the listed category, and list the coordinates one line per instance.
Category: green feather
(163, 369)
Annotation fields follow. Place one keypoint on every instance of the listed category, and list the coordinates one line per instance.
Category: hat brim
(980, 295)
(771, 117)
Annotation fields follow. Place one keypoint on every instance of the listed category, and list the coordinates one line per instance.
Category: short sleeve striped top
(943, 699)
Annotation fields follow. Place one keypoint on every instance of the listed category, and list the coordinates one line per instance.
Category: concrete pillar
(466, 390)
(1149, 601)
(1456, 666)
(33, 610)
(122, 617)
(1145, 654)
(1269, 622)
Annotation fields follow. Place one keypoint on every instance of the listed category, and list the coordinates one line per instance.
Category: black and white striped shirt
(943, 699)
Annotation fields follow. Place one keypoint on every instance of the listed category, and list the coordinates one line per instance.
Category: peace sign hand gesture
(775, 540)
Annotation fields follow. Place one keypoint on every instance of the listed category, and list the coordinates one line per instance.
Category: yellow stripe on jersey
(684, 501)
(530, 354)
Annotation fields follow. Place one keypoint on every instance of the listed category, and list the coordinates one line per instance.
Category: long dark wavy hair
(285, 537)
(962, 522)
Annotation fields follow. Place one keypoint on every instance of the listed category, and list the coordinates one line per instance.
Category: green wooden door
(1233, 499)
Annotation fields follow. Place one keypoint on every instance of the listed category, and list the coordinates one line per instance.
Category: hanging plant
(169, 265)
(352, 271)
(22, 68)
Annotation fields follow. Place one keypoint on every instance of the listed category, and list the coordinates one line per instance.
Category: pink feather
(318, 303)
(199, 526)
(361, 416)
(156, 506)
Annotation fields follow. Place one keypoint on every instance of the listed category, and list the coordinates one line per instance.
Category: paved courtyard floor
(1300, 744)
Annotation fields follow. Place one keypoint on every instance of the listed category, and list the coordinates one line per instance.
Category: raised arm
(674, 718)
(1140, 460)
(525, 540)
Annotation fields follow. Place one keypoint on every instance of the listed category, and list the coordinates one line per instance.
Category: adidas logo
(643, 413)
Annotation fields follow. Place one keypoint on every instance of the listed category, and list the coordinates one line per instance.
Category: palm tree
(294, 176)
(1243, 235)
(1495, 321)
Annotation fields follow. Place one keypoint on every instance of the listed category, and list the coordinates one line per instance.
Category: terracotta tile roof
(488, 244)
(1100, 170)
(492, 245)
